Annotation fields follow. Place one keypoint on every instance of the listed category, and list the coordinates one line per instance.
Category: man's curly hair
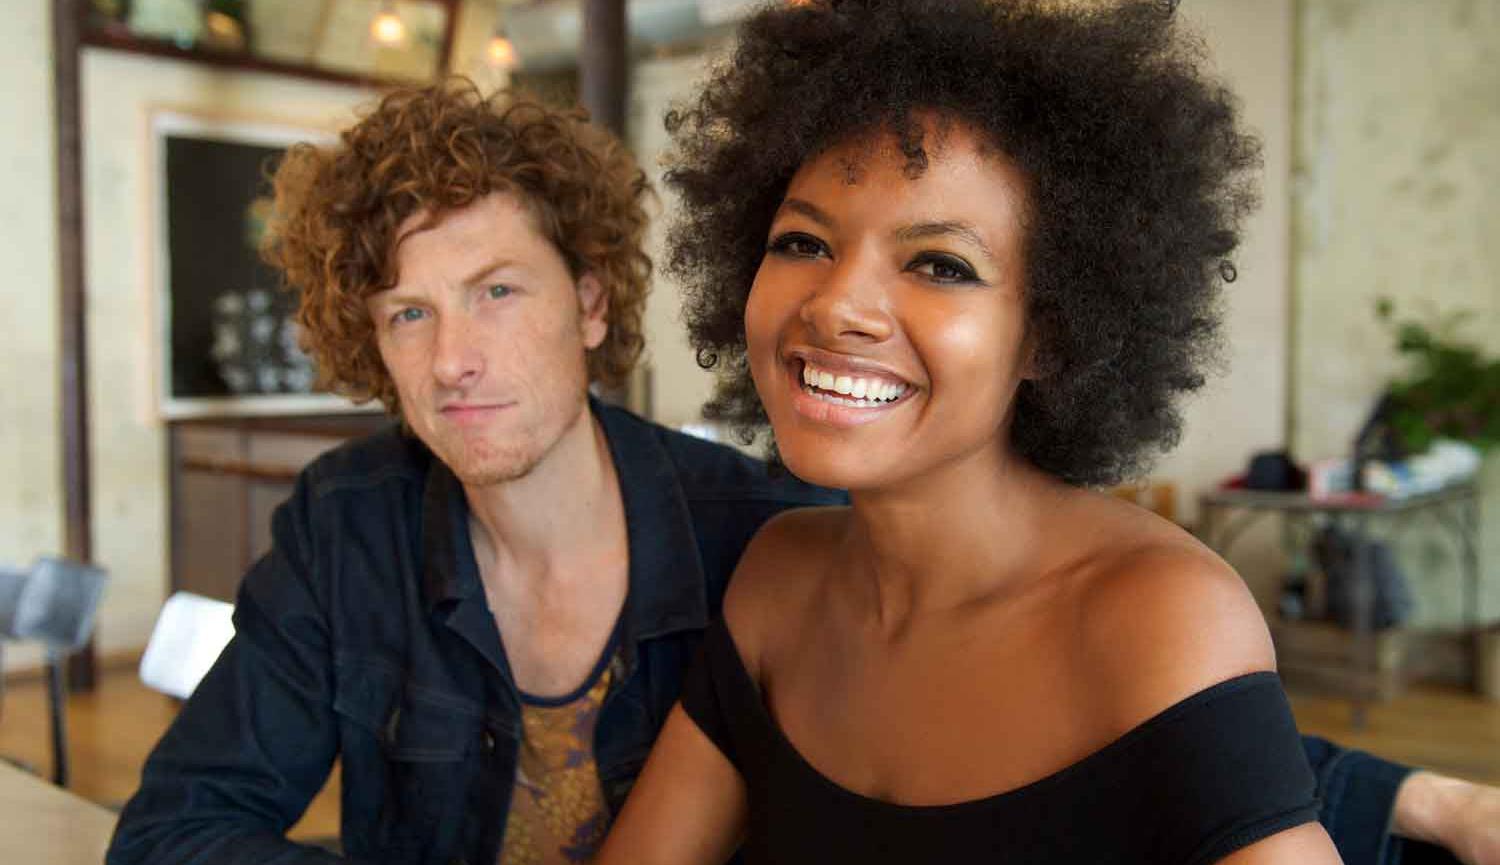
(1138, 181)
(433, 150)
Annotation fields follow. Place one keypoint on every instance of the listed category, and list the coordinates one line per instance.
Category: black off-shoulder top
(1214, 773)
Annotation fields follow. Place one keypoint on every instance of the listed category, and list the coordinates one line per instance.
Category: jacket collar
(667, 591)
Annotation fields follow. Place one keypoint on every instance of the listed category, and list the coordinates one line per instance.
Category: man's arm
(257, 739)
(1367, 800)
(1459, 816)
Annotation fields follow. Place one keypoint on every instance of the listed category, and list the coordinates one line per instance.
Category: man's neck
(554, 560)
(536, 525)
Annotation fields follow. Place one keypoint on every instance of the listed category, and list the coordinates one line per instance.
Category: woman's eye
(797, 245)
(407, 314)
(498, 291)
(944, 268)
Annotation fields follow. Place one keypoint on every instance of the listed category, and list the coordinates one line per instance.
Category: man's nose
(456, 357)
(851, 303)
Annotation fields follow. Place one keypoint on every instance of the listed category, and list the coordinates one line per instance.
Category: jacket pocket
(407, 760)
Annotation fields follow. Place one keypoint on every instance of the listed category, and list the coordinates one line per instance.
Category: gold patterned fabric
(557, 810)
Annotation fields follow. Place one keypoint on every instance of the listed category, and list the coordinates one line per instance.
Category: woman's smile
(842, 391)
(885, 328)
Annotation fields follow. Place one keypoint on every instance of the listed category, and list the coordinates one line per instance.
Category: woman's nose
(851, 304)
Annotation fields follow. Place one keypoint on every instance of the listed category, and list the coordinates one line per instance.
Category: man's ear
(593, 308)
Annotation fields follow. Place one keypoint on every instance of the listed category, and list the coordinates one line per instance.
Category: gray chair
(54, 604)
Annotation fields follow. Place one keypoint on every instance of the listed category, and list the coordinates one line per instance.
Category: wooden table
(43, 823)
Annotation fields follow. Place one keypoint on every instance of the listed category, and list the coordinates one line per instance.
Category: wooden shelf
(113, 38)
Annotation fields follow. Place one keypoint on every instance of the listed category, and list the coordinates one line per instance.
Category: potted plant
(1451, 388)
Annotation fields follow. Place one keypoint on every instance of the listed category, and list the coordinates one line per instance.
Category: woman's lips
(856, 387)
(843, 399)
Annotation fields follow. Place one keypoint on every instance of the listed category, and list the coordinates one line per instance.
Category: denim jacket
(364, 635)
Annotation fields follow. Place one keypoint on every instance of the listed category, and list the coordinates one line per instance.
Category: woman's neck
(969, 532)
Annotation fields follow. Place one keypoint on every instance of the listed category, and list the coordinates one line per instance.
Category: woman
(964, 256)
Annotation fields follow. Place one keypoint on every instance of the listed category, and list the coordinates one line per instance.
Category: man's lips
(468, 412)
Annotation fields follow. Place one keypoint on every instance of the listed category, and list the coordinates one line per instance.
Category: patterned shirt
(557, 810)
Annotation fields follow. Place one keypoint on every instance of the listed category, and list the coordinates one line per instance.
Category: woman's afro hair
(1138, 179)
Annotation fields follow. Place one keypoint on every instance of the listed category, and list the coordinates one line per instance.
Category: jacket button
(489, 747)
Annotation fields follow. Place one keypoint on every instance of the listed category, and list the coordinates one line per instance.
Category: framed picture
(226, 339)
(352, 41)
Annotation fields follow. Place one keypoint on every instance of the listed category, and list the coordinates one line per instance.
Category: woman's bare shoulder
(777, 574)
(1161, 617)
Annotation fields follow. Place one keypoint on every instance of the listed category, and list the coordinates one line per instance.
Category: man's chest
(556, 637)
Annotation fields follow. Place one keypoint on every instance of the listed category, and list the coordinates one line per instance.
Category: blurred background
(155, 406)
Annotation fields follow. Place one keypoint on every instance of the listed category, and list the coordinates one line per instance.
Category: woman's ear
(593, 309)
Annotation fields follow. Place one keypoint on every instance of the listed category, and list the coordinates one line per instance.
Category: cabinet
(226, 478)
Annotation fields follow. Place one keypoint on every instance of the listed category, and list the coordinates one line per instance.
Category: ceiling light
(501, 52)
(387, 28)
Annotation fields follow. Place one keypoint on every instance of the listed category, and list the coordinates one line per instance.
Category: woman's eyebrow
(807, 209)
(961, 230)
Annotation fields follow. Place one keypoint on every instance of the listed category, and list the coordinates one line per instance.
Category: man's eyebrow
(807, 209)
(398, 293)
(961, 230)
(486, 269)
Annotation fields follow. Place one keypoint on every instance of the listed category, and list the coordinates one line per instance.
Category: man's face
(485, 335)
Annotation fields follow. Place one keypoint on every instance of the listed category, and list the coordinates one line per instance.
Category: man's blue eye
(410, 313)
(499, 291)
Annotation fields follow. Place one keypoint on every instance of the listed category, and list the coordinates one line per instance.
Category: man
(485, 614)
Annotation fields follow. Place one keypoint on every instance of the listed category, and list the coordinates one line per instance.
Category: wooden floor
(112, 730)
(1445, 729)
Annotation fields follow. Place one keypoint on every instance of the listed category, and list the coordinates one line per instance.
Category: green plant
(1451, 389)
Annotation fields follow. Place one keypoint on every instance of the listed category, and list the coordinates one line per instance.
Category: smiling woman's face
(886, 325)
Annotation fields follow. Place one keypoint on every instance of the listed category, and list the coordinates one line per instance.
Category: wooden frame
(102, 32)
(211, 292)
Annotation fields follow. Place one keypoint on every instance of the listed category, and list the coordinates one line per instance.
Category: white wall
(1398, 166)
(31, 516)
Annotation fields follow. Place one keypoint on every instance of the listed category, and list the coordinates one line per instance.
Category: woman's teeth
(861, 392)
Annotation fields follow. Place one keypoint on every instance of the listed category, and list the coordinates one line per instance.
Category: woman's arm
(1307, 844)
(687, 807)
